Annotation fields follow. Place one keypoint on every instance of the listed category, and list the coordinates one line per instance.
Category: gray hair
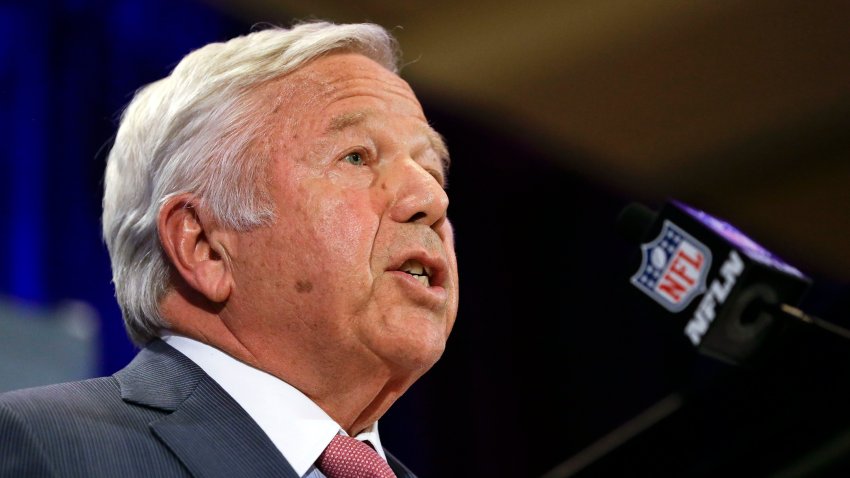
(190, 132)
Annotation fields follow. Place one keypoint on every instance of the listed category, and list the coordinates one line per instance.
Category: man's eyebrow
(352, 118)
(346, 120)
(438, 144)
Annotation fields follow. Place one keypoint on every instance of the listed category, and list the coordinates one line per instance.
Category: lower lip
(433, 296)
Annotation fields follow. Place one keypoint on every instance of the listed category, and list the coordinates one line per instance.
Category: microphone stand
(620, 435)
(668, 405)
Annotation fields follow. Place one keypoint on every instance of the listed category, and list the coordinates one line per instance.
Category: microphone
(729, 295)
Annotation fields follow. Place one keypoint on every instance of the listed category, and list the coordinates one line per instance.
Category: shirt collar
(299, 428)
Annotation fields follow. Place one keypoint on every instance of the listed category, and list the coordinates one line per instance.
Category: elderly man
(275, 214)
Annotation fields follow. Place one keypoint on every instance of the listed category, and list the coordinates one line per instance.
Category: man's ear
(199, 248)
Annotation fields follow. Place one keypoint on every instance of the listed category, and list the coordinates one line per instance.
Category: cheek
(447, 234)
(345, 227)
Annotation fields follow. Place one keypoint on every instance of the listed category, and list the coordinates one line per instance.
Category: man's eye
(354, 159)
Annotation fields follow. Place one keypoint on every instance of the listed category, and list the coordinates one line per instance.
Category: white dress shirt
(296, 426)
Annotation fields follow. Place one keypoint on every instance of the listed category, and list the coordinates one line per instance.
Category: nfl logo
(673, 268)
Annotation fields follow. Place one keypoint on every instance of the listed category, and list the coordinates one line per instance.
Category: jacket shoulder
(62, 402)
(29, 416)
(21, 453)
(79, 429)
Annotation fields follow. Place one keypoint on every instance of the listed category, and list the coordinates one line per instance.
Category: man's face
(359, 264)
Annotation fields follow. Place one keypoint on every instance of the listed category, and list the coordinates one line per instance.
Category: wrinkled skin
(356, 177)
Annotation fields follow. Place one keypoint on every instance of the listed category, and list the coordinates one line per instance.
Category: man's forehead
(326, 72)
(335, 77)
(334, 68)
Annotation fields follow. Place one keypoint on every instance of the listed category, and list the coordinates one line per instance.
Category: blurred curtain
(67, 69)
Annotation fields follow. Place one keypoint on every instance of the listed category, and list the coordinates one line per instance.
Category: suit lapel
(206, 429)
(398, 467)
(214, 437)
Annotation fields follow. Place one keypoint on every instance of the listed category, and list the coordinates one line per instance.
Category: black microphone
(729, 295)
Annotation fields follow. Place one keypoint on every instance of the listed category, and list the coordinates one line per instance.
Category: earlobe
(197, 247)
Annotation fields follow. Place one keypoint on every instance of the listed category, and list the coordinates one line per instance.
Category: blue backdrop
(67, 69)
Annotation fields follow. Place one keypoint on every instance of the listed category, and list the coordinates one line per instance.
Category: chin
(420, 354)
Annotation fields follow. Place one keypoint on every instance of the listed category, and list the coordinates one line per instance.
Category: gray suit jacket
(161, 416)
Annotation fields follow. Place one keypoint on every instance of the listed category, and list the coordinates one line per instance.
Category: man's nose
(419, 197)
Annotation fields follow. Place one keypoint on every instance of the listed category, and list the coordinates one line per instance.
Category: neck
(353, 393)
(358, 407)
(204, 325)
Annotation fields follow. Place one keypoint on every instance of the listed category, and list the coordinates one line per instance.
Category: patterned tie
(347, 457)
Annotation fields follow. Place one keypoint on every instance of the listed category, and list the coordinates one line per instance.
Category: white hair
(190, 133)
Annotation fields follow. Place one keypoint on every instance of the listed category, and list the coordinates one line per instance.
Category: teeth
(413, 267)
(423, 280)
(417, 270)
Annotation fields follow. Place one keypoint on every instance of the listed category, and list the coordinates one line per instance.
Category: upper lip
(434, 264)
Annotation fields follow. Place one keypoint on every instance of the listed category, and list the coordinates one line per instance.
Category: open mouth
(418, 271)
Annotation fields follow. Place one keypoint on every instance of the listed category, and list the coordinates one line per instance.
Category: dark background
(553, 349)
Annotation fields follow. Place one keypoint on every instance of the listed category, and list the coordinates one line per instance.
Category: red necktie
(347, 457)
